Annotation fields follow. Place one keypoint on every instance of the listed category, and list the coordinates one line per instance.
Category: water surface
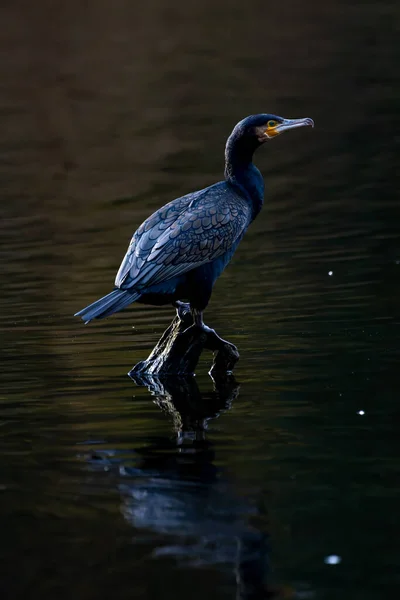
(248, 486)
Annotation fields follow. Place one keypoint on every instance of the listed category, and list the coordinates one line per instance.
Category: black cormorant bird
(181, 249)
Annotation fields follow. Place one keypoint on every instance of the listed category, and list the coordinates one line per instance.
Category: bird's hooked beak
(292, 124)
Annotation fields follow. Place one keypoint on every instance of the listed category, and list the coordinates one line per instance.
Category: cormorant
(181, 249)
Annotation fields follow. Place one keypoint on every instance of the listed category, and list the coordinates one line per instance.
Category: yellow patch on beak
(272, 131)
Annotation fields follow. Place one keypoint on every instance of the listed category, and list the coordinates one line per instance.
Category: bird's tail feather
(112, 303)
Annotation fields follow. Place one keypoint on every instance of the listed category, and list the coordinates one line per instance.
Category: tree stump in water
(179, 349)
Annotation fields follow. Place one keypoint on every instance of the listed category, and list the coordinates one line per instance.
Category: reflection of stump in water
(209, 522)
(179, 349)
(189, 408)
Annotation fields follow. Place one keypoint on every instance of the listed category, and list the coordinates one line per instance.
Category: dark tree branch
(180, 346)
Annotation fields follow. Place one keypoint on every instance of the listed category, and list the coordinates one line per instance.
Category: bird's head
(263, 127)
(249, 134)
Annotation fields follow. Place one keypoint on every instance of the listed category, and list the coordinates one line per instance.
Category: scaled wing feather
(198, 232)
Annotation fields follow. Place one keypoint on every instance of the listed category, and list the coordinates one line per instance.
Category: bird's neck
(242, 173)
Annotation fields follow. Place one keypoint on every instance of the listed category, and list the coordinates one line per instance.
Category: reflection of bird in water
(180, 499)
(188, 499)
(177, 494)
(179, 252)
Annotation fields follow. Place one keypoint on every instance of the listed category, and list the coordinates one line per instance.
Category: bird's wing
(175, 242)
(155, 225)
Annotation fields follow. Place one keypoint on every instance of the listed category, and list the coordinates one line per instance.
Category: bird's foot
(197, 331)
(198, 318)
(182, 309)
(198, 324)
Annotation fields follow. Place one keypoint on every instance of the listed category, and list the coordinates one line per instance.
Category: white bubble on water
(330, 273)
(332, 559)
(361, 412)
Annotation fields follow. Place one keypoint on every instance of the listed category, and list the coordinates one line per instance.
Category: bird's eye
(271, 123)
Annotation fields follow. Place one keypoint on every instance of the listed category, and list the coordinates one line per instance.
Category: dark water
(110, 491)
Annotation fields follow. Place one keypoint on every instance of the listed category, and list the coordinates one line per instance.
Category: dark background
(109, 110)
